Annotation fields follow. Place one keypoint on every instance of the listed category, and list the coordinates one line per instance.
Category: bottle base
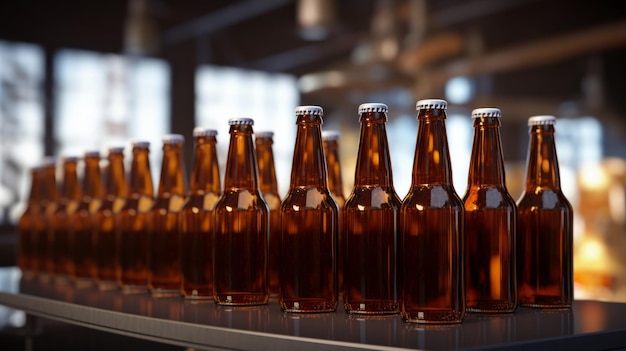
(134, 289)
(107, 285)
(372, 307)
(432, 316)
(159, 292)
(545, 302)
(196, 295)
(491, 307)
(308, 305)
(241, 299)
(83, 283)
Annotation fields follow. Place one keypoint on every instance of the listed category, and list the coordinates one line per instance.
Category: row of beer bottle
(455, 255)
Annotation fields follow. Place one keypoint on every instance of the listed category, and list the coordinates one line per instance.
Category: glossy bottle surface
(83, 223)
(490, 223)
(309, 224)
(432, 227)
(105, 231)
(268, 185)
(60, 229)
(197, 224)
(370, 223)
(545, 226)
(241, 225)
(164, 278)
(44, 248)
(28, 223)
(133, 222)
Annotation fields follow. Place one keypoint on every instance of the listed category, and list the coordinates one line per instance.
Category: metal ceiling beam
(221, 18)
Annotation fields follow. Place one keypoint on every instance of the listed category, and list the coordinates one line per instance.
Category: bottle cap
(116, 149)
(141, 144)
(264, 134)
(203, 131)
(309, 110)
(173, 139)
(486, 112)
(48, 161)
(330, 134)
(240, 120)
(540, 120)
(92, 153)
(373, 107)
(432, 104)
(70, 159)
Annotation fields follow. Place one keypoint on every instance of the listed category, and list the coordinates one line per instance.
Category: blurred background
(85, 75)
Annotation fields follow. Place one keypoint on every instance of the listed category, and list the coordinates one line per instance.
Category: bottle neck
(486, 162)
(51, 193)
(309, 163)
(92, 182)
(205, 177)
(116, 177)
(36, 188)
(140, 176)
(542, 170)
(268, 184)
(333, 167)
(373, 165)
(241, 165)
(172, 181)
(71, 188)
(431, 164)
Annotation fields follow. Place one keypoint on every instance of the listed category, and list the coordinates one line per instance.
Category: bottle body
(432, 227)
(105, 221)
(545, 226)
(197, 220)
(490, 223)
(132, 223)
(28, 226)
(241, 225)
(369, 223)
(309, 225)
(45, 239)
(164, 278)
(83, 223)
(268, 186)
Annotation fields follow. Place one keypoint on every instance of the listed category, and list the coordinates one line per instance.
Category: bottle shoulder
(240, 199)
(373, 197)
(309, 198)
(488, 197)
(544, 198)
(432, 196)
(204, 201)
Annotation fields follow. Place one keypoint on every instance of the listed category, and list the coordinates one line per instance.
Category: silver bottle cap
(373, 107)
(92, 153)
(240, 120)
(203, 131)
(70, 158)
(140, 144)
(486, 112)
(431, 104)
(330, 135)
(173, 139)
(264, 134)
(116, 149)
(309, 110)
(541, 120)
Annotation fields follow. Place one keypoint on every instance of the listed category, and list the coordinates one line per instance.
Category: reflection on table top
(588, 325)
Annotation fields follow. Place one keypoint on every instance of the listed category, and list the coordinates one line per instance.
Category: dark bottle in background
(241, 225)
(545, 275)
(432, 227)
(44, 248)
(490, 222)
(370, 222)
(309, 224)
(27, 225)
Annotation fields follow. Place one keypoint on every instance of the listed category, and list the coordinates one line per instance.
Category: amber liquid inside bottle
(490, 226)
(370, 226)
(241, 227)
(196, 238)
(545, 226)
(268, 186)
(164, 223)
(28, 227)
(105, 219)
(83, 224)
(62, 245)
(44, 248)
(133, 225)
(309, 226)
(432, 230)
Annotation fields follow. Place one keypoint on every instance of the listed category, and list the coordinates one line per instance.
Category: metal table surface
(589, 325)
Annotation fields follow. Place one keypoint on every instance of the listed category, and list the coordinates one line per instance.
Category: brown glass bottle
(49, 204)
(431, 222)
(82, 223)
(545, 225)
(197, 222)
(370, 223)
(241, 225)
(62, 245)
(105, 227)
(309, 224)
(490, 222)
(164, 278)
(133, 222)
(27, 225)
(268, 185)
